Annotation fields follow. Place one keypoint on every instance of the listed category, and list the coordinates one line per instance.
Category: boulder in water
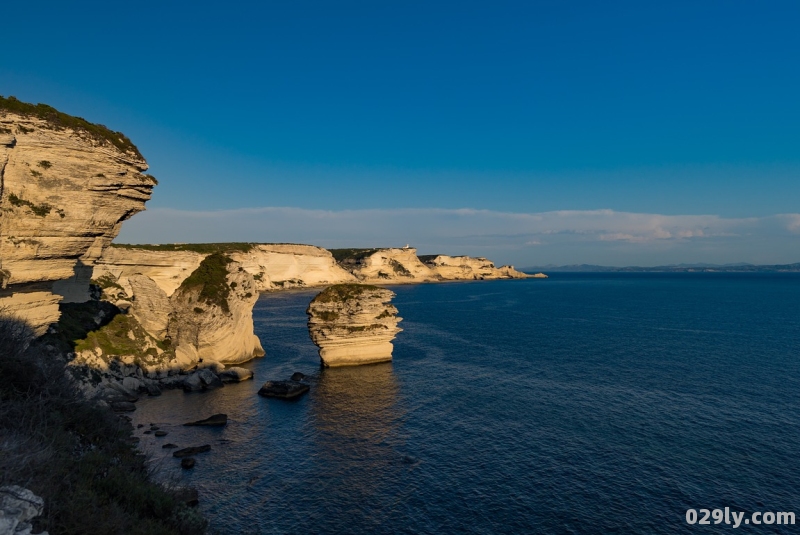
(235, 375)
(283, 389)
(216, 419)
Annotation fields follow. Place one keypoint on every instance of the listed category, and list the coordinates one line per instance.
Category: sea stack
(353, 324)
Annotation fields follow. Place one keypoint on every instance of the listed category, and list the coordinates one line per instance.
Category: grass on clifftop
(211, 277)
(427, 258)
(342, 292)
(74, 454)
(62, 120)
(351, 255)
(203, 248)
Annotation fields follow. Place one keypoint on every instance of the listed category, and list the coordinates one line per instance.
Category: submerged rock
(216, 419)
(283, 389)
(187, 462)
(169, 446)
(192, 450)
(160, 433)
(297, 376)
(353, 324)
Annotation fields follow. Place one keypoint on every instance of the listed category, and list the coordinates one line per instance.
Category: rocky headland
(144, 317)
(66, 186)
(353, 324)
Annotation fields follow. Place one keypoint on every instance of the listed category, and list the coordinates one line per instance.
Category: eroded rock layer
(470, 268)
(353, 324)
(66, 186)
(208, 321)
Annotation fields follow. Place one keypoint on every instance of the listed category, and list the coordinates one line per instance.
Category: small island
(353, 324)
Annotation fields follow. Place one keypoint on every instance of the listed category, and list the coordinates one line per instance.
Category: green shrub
(40, 210)
(74, 454)
(203, 248)
(351, 255)
(107, 281)
(210, 278)
(399, 268)
(342, 292)
(60, 120)
(328, 315)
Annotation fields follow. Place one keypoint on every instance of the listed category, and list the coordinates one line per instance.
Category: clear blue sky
(676, 109)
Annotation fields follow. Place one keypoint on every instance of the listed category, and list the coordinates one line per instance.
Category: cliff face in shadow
(66, 186)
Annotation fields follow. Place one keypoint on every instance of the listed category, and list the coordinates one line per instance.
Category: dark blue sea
(583, 403)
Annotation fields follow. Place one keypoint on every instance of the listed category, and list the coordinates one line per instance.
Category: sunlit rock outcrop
(353, 324)
(381, 266)
(273, 266)
(469, 268)
(66, 186)
(212, 312)
(206, 323)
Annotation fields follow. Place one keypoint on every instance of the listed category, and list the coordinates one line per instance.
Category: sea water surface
(583, 403)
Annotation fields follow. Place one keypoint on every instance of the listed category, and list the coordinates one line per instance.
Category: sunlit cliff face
(63, 198)
(353, 324)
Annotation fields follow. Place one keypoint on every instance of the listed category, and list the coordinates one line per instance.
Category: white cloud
(566, 236)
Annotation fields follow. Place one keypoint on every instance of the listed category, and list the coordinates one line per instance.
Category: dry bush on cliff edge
(74, 454)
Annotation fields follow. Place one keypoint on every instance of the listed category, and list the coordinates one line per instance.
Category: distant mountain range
(674, 268)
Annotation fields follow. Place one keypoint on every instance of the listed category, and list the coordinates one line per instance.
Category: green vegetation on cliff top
(427, 258)
(351, 255)
(343, 292)
(211, 276)
(62, 120)
(203, 248)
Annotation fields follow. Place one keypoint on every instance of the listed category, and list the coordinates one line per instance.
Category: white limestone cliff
(66, 186)
(273, 266)
(217, 325)
(391, 265)
(207, 319)
(168, 269)
(353, 324)
(284, 266)
(470, 268)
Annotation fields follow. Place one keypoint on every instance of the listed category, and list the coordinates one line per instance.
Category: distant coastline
(676, 268)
